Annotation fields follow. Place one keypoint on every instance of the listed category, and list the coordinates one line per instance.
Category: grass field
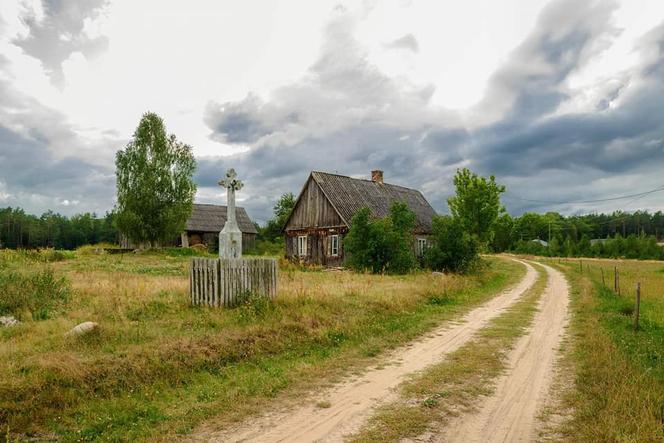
(158, 367)
(618, 383)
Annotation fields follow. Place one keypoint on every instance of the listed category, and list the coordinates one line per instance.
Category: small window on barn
(302, 245)
(334, 245)
(421, 246)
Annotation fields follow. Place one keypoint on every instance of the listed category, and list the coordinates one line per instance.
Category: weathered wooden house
(206, 221)
(324, 209)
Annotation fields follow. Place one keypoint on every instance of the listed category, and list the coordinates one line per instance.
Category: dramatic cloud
(36, 170)
(561, 103)
(57, 30)
(347, 116)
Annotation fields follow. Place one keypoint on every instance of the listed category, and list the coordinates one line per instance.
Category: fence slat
(219, 282)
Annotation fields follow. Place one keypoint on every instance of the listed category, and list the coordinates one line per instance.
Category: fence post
(581, 265)
(602, 270)
(638, 306)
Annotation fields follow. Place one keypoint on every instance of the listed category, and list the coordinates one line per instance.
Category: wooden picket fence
(219, 282)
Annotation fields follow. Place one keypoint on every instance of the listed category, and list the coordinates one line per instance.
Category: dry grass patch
(618, 389)
(158, 366)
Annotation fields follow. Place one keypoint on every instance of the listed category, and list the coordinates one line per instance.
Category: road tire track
(510, 414)
(353, 401)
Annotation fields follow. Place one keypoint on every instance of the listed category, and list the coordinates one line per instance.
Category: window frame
(334, 253)
(302, 240)
(422, 245)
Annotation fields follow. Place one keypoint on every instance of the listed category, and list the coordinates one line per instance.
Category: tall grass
(618, 389)
(162, 366)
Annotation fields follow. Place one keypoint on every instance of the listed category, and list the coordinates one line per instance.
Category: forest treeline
(51, 230)
(633, 235)
(620, 234)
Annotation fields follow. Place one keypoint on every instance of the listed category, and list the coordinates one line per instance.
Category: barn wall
(319, 246)
(313, 210)
(248, 241)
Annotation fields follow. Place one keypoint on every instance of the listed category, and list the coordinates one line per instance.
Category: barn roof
(212, 218)
(348, 195)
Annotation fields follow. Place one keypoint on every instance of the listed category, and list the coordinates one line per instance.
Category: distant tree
(383, 245)
(155, 188)
(504, 233)
(453, 248)
(282, 210)
(583, 248)
(476, 203)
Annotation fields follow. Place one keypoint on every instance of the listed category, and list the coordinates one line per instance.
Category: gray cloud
(37, 173)
(345, 115)
(408, 42)
(60, 33)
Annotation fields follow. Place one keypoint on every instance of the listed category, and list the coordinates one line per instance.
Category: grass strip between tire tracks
(453, 387)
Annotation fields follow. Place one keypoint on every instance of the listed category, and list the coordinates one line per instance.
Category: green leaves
(453, 249)
(384, 245)
(476, 203)
(155, 188)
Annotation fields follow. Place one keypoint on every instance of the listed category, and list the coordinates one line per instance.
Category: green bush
(272, 248)
(39, 293)
(252, 306)
(384, 245)
(453, 248)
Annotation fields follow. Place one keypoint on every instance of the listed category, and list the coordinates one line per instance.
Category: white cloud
(305, 82)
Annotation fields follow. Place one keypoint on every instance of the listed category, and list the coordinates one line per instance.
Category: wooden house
(324, 209)
(206, 221)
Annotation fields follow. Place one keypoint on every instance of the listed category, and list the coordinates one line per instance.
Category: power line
(639, 195)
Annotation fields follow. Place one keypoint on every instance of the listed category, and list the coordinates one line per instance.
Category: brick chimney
(377, 176)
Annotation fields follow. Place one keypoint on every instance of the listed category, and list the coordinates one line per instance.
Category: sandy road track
(510, 414)
(353, 401)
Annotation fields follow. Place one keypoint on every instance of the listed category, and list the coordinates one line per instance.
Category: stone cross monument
(230, 237)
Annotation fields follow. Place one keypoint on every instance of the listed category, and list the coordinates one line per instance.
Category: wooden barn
(206, 221)
(324, 209)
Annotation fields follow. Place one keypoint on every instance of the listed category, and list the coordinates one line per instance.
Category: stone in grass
(82, 329)
(8, 321)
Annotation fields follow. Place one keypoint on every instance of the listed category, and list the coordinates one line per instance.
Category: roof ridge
(217, 206)
(365, 180)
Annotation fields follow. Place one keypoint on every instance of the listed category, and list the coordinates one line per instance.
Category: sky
(561, 100)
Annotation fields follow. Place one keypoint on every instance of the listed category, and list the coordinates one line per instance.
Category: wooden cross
(231, 182)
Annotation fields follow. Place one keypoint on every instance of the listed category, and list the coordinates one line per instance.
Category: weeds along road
(510, 414)
(352, 402)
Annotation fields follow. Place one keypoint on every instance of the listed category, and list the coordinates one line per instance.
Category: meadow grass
(616, 392)
(455, 386)
(159, 367)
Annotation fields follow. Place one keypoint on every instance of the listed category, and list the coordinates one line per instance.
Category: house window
(302, 245)
(334, 245)
(421, 246)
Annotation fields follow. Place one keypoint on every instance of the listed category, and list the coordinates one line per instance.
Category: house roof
(212, 218)
(348, 195)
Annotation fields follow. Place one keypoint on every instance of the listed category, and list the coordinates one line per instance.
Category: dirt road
(352, 402)
(510, 414)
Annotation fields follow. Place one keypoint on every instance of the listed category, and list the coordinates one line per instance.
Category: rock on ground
(82, 329)
(8, 321)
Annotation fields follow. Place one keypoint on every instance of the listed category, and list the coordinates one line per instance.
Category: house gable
(313, 210)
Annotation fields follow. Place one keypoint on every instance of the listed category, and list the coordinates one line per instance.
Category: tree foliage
(155, 187)
(476, 203)
(453, 248)
(282, 210)
(382, 245)
(21, 230)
